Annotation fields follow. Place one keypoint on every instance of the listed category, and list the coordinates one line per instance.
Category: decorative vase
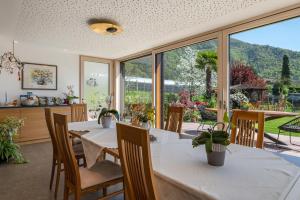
(145, 125)
(70, 101)
(106, 121)
(217, 156)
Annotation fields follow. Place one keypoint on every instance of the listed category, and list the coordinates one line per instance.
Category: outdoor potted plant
(245, 106)
(215, 142)
(8, 149)
(106, 115)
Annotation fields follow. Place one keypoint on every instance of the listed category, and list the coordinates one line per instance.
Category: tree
(285, 71)
(207, 60)
(276, 90)
(243, 74)
(189, 74)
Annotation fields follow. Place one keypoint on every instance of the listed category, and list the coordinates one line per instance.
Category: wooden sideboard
(35, 127)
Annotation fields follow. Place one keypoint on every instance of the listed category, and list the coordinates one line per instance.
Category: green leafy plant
(147, 115)
(8, 149)
(210, 137)
(107, 113)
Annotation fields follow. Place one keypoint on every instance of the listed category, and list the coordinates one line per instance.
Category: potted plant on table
(215, 142)
(106, 115)
(146, 118)
(9, 128)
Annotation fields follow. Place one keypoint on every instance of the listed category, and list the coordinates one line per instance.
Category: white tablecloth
(182, 172)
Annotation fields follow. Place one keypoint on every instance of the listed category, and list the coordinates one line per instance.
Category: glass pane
(137, 75)
(96, 86)
(190, 80)
(265, 72)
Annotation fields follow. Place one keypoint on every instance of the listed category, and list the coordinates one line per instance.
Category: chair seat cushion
(100, 173)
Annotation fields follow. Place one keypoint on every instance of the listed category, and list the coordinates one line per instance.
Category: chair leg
(77, 195)
(84, 162)
(277, 138)
(66, 192)
(58, 170)
(52, 172)
(104, 192)
(290, 137)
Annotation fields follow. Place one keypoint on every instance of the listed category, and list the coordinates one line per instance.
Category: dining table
(182, 172)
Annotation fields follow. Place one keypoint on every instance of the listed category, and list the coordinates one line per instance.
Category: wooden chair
(174, 119)
(56, 158)
(82, 180)
(79, 112)
(134, 150)
(244, 128)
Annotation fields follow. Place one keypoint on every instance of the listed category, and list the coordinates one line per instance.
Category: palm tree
(207, 60)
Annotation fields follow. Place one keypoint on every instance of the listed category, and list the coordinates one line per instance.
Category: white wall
(67, 67)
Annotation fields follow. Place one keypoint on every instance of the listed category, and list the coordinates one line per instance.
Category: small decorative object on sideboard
(106, 115)
(9, 150)
(70, 95)
(43, 101)
(29, 100)
(50, 101)
(215, 142)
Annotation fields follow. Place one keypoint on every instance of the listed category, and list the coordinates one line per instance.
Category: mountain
(265, 60)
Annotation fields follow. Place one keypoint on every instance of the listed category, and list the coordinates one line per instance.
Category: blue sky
(285, 34)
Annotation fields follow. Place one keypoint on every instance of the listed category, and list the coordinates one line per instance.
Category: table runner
(182, 172)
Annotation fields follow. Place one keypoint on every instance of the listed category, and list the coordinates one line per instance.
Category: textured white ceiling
(62, 24)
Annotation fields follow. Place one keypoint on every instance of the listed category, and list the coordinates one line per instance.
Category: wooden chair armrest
(75, 134)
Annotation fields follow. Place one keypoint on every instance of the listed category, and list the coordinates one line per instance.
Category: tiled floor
(30, 181)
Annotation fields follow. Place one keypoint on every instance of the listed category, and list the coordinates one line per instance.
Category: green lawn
(272, 126)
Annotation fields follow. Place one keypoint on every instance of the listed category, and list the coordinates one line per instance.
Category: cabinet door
(63, 110)
(35, 126)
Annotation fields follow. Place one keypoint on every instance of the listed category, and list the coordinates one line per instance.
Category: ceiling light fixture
(106, 28)
(10, 63)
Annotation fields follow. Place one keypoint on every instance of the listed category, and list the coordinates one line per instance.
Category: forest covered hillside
(265, 60)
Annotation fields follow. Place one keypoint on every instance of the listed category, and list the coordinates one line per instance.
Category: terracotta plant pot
(106, 121)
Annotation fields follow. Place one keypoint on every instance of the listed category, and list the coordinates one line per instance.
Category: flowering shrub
(238, 99)
(184, 99)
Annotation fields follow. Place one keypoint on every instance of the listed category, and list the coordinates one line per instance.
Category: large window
(137, 83)
(265, 70)
(190, 80)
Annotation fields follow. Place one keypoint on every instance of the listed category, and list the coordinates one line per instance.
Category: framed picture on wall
(39, 77)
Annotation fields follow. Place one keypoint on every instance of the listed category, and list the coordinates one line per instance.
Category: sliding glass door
(189, 78)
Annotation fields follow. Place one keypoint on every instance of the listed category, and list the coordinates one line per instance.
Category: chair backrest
(244, 128)
(79, 112)
(134, 150)
(72, 175)
(174, 119)
(50, 126)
